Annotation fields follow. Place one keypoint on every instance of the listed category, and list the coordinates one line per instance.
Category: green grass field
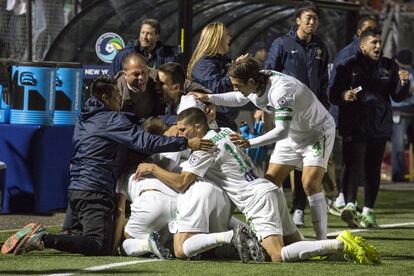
(396, 244)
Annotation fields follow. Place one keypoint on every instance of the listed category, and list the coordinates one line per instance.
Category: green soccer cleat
(368, 220)
(335, 209)
(12, 242)
(31, 242)
(350, 215)
(353, 251)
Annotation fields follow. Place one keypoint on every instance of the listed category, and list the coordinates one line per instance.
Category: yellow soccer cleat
(372, 254)
(353, 251)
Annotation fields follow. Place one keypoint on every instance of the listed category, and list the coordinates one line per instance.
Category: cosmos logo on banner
(107, 46)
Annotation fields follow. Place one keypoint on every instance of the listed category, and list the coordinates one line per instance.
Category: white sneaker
(340, 201)
(298, 218)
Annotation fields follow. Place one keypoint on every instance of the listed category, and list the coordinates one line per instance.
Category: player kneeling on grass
(102, 138)
(262, 202)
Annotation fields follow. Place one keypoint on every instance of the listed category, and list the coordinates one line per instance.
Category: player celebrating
(262, 202)
(304, 130)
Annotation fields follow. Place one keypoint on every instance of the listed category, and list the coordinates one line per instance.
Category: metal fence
(48, 18)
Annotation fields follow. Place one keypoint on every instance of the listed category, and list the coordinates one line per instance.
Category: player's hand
(202, 97)
(242, 57)
(172, 131)
(350, 95)
(259, 115)
(404, 76)
(143, 169)
(200, 144)
(239, 141)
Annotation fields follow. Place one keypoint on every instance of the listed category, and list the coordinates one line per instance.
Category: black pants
(92, 225)
(362, 158)
(299, 197)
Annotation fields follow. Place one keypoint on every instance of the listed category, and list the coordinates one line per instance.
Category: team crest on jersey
(384, 73)
(282, 102)
(318, 53)
(194, 159)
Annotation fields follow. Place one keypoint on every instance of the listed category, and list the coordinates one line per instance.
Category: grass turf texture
(395, 244)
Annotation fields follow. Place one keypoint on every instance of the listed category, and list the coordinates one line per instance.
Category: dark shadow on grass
(55, 271)
(389, 238)
(398, 257)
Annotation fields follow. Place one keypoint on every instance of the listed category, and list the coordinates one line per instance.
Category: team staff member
(149, 45)
(346, 52)
(365, 119)
(101, 140)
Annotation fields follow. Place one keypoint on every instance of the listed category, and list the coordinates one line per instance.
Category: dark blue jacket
(163, 54)
(211, 72)
(349, 50)
(101, 141)
(308, 62)
(370, 116)
(346, 52)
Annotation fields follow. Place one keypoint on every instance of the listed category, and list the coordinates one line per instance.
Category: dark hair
(305, 6)
(103, 85)
(364, 19)
(154, 125)
(175, 71)
(248, 68)
(153, 23)
(193, 116)
(133, 56)
(369, 32)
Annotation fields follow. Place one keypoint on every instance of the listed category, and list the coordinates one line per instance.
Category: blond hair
(209, 44)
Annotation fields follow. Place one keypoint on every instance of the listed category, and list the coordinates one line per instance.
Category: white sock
(365, 210)
(319, 215)
(235, 221)
(203, 242)
(135, 247)
(304, 250)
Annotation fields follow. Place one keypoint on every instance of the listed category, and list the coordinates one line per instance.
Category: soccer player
(262, 202)
(154, 204)
(304, 130)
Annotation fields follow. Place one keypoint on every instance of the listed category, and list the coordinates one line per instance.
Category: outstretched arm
(176, 181)
(280, 132)
(232, 99)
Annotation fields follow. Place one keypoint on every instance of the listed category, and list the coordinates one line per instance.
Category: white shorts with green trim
(288, 152)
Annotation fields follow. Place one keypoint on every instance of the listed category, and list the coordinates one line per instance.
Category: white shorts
(270, 216)
(151, 211)
(288, 152)
(202, 208)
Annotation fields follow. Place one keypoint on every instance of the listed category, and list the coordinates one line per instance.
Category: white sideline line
(103, 267)
(383, 226)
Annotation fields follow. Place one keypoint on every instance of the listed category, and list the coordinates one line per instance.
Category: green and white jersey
(290, 100)
(230, 168)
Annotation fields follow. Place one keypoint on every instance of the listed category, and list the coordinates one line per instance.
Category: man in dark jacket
(302, 54)
(362, 88)
(101, 139)
(349, 50)
(149, 45)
